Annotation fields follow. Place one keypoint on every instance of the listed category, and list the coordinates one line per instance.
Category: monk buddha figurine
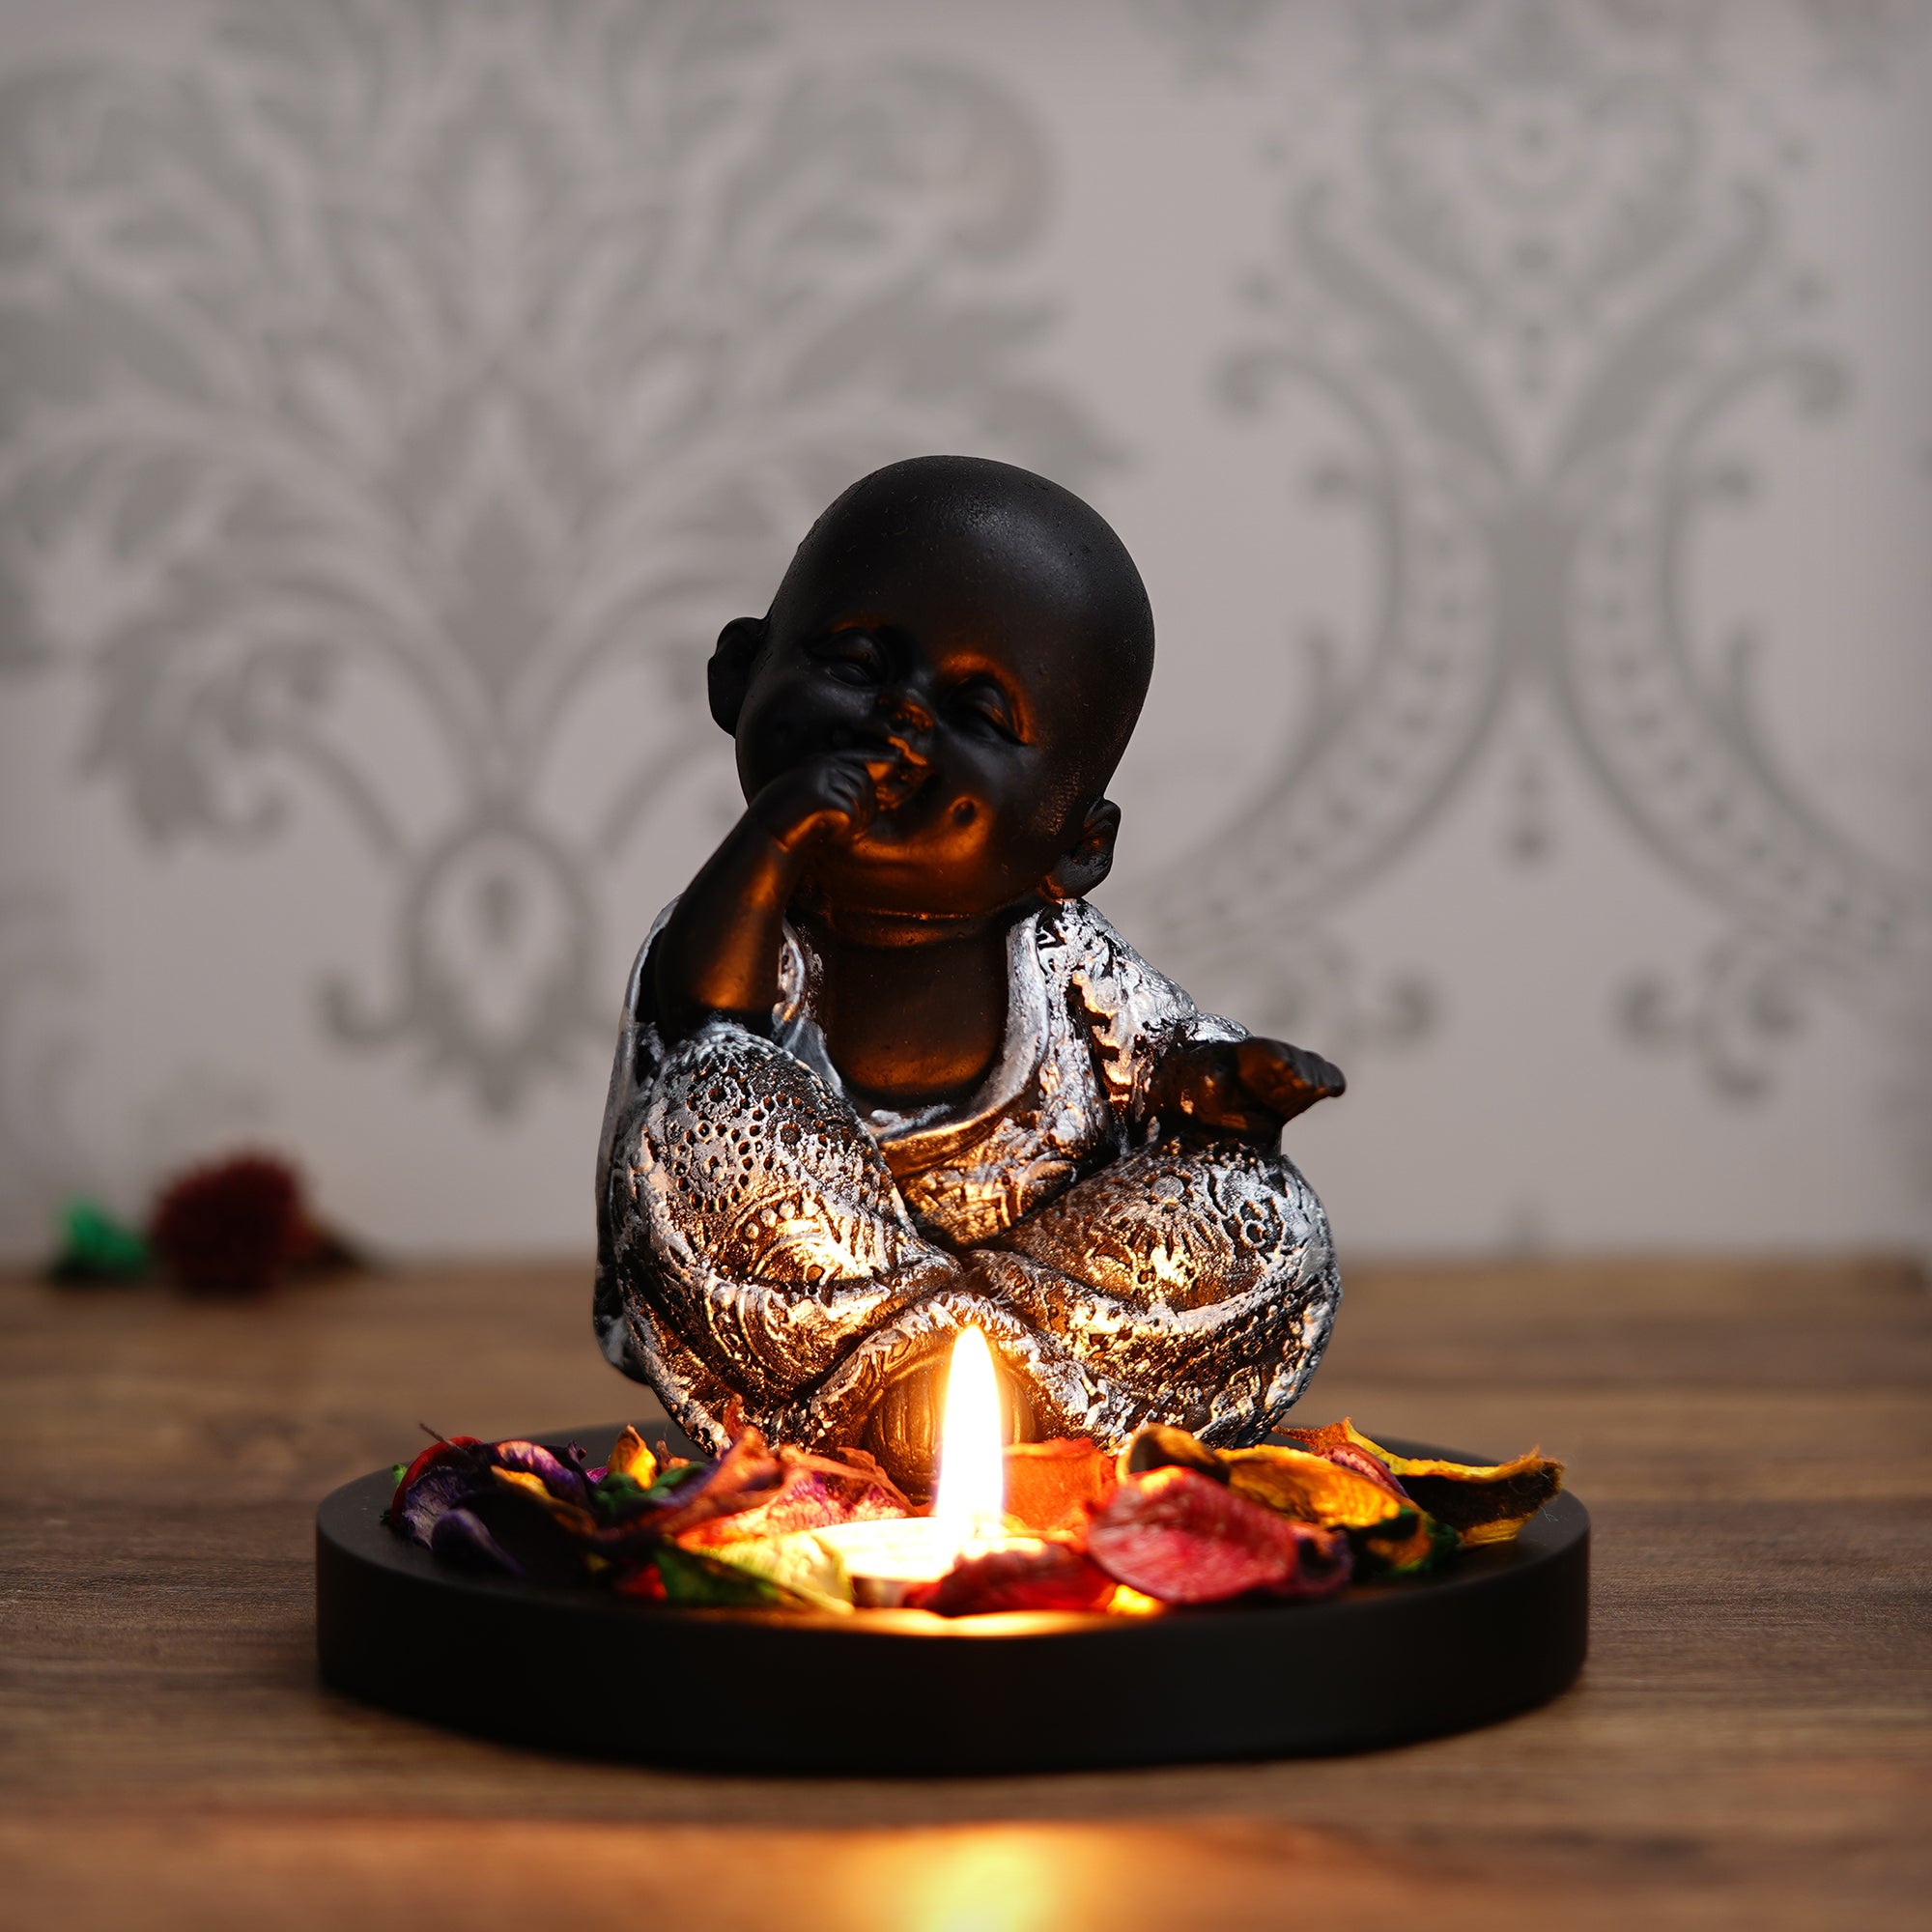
(885, 1072)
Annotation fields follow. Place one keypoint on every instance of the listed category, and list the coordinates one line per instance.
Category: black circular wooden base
(888, 1692)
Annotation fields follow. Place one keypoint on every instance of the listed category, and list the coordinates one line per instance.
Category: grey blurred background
(1522, 415)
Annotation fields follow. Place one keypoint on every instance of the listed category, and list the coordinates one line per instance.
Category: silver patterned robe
(759, 1237)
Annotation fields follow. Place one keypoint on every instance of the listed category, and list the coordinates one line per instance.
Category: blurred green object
(96, 1246)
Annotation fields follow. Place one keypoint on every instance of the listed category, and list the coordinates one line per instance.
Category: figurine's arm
(718, 955)
(1247, 1087)
(1161, 1056)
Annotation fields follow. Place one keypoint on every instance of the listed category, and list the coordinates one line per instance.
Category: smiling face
(983, 637)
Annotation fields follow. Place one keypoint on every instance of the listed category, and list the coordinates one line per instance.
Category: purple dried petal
(463, 1536)
(556, 1476)
(443, 1487)
(747, 1472)
(806, 1500)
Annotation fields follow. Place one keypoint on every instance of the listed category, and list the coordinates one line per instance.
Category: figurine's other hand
(1287, 1080)
(832, 796)
(1247, 1087)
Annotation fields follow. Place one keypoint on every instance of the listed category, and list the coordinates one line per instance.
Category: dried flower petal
(572, 1517)
(1312, 1487)
(1159, 1446)
(550, 1469)
(629, 1457)
(747, 1473)
(617, 1500)
(1413, 1544)
(463, 1536)
(703, 1579)
(1483, 1502)
(446, 1476)
(1180, 1536)
(441, 1450)
(1050, 1484)
(1045, 1575)
(862, 1463)
(810, 1569)
(809, 1498)
(1347, 1489)
(645, 1582)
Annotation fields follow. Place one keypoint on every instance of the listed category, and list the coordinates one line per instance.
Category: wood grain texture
(1752, 1742)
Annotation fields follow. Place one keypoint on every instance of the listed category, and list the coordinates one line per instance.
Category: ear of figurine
(1092, 857)
(728, 677)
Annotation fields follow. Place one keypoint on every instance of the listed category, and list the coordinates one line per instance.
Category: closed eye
(982, 705)
(852, 657)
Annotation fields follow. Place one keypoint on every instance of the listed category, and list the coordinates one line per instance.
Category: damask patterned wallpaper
(1520, 409)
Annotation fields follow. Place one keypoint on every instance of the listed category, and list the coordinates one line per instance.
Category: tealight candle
(886, 1559)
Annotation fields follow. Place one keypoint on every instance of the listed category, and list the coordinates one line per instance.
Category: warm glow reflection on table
(1213, 1873)
(989, 1879)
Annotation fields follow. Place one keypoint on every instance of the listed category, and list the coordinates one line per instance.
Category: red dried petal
(645, 1582)
(1182, 1538)
(1032, 1577)
(439, 1451)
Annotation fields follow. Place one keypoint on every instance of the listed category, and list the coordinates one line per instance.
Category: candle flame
(971, 1461)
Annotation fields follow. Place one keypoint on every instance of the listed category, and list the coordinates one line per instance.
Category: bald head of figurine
(981, 638)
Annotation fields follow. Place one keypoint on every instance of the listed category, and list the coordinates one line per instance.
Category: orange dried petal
(1049, 1483)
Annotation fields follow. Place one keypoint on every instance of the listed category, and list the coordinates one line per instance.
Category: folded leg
(754, 1233)
(1192, 1280)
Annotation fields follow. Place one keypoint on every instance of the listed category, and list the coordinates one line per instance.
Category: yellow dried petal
(629, 1457)
(522, 1479)
(1483, 1502)
(1309, 1487)
(572, 1516)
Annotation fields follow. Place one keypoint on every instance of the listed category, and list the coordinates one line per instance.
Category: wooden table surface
(1749, 1744)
